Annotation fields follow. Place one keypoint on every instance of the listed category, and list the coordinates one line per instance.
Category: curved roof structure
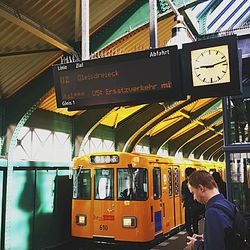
(35, 35)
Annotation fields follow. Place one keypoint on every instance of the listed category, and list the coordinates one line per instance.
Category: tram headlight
(129, 222)
(81, 220)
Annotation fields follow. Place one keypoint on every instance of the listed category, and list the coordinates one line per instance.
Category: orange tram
(129, 197)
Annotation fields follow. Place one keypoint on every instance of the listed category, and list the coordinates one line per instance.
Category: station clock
(210, 66)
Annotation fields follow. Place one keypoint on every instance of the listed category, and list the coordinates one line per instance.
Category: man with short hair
(205, 191)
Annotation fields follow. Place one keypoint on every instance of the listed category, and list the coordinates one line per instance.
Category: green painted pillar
(2, 127)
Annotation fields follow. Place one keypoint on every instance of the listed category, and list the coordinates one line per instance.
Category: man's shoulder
(221, 201)
(220, 210)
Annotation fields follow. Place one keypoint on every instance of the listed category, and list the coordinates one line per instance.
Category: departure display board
(135, 78)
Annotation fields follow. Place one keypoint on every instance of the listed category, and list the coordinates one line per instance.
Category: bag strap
(226, 210)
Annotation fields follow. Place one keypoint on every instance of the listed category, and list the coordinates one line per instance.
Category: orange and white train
(129, 197)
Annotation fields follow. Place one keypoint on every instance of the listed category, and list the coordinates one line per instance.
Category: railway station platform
(174, 242)
(177, 241)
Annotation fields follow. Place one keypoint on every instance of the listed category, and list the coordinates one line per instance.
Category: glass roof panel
(222, 15)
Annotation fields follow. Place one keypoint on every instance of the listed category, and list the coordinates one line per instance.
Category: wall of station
(36, 209)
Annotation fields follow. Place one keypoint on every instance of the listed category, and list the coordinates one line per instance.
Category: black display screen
(135, 78)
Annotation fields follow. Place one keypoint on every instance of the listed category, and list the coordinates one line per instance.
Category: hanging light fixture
(180, 33)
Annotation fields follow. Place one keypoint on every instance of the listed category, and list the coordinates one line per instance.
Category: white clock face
(210, 66)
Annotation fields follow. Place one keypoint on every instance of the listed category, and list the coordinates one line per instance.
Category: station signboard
(207, 68)
(136, 78)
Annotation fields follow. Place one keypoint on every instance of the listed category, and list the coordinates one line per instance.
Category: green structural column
(19, 114)
(2, 126)
(18, 128)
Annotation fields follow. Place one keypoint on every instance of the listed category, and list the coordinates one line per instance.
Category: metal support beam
(219, 155)
(216, 154)
(78, 20)
(177, 143)
(173, 8)
(25, 53)
(85, 29)
(153, 24)
(206, 144)
(146, 122)
(91, 119)
(197, 141)
(177, 13)
(2, 125)
(242, 148)
(244, 42)
(14, 135)
(16, 117)
(16, 17)
(4, 198)
(208, 153)
(226, 124)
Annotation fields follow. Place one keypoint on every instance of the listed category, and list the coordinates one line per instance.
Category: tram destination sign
(135, 78)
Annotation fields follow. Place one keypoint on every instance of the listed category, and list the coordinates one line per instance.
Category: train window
(157, 183)
(82, 184)
(104, 184)
(132, 184)
(170, 189)
(176, 181)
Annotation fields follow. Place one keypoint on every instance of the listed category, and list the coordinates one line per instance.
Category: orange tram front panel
(127, 196)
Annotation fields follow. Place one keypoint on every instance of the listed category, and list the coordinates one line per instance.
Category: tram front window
(104, 184)
(132, 184)
(82, 184)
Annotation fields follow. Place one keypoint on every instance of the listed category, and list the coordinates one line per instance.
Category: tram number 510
(103, 227)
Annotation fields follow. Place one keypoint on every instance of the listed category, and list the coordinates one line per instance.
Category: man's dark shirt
(216, 221)
(187, 196)
(222, 188)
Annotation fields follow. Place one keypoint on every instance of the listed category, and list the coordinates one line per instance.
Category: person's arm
(214, 230)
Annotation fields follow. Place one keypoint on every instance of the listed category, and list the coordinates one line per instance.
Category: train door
(104, 205)
(168, 198)
(182, 178)
(156, 210)
(173, 206)
(167, 203)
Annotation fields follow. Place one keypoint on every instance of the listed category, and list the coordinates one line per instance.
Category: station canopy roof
(35, 34)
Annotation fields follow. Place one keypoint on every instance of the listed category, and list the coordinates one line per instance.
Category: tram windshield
(104, 184)
(82, 184)
(132, 184)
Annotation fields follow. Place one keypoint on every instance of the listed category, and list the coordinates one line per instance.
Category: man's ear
(202, 188)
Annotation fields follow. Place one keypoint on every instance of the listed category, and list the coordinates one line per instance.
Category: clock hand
(212, 65)
(219, 62)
